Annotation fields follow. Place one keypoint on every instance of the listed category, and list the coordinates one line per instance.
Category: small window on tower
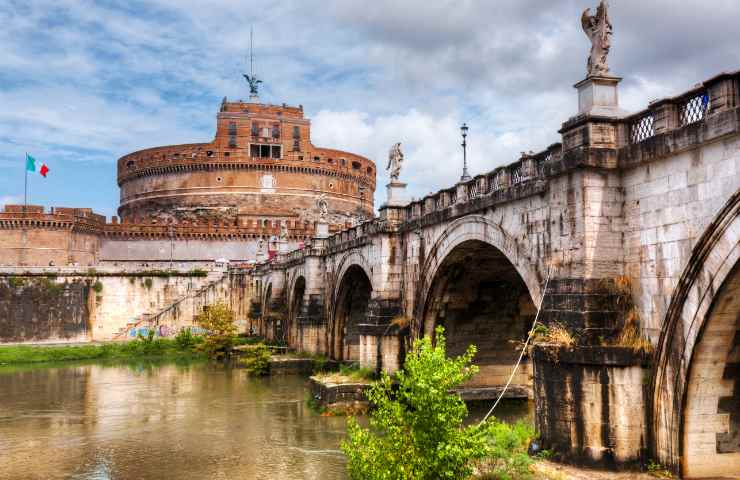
(254, 151)
(356, 165)
(232, 128)
(276, 130)
(276, 151)
(316, 159)
(265, 132)
(296, 145)
(255, 129)
(296, 132)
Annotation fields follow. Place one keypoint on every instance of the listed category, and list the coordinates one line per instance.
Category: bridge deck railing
(713, 96)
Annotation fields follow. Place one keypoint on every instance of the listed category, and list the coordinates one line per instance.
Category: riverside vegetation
(416, 430)
(217, 319)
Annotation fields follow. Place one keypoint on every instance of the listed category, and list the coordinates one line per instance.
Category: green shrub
(16, 282)
(416, 430)
(185, 340)
(256, 359)
(218, 319)
(97, 286)
(198, 272)
(148, 283)
(507, 456)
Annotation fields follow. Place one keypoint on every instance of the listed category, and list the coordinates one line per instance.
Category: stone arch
(349, 307)
(477, 227)
(296, 300)
(693, 303)
(477, 292)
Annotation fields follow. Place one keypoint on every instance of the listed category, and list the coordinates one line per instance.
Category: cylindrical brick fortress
(260, 168)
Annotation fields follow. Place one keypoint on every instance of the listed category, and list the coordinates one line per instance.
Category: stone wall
(79, 306)
(45, 309)
(669, 203)
(590, 404)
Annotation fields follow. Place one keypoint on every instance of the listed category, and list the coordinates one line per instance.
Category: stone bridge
(631, 221)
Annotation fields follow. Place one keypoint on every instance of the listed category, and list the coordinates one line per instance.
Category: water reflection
(153, 421)
(162, 421)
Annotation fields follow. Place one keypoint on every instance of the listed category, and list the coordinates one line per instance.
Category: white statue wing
(586, 22)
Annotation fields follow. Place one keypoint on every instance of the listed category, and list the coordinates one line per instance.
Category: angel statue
(395, 161)
(598, 29)
(283, 231)
(253, 82)
(323, 207)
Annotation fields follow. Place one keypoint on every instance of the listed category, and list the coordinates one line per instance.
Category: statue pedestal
(396, 194)
(283, 246)
(322, 229)
(598, 95)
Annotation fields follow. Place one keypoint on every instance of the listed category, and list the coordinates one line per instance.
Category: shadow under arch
(295, 309)
(350, 310)
(480, 298)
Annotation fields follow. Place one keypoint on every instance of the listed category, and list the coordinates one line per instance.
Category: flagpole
(25, 188)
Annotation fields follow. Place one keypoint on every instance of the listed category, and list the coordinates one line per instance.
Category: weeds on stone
(657, 470)
(554, 334)
(348, 374)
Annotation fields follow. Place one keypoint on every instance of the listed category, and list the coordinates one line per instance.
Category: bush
(256, 359)
(97, 286)
(185, 340)
(416, 430)
(507, 457)
(218, 319)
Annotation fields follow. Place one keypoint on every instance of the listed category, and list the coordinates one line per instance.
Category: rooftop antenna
(251, 78)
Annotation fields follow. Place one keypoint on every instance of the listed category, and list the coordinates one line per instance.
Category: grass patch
(139, 348)
(348, 374)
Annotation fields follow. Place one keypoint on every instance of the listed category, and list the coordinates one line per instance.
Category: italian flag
(31, 166)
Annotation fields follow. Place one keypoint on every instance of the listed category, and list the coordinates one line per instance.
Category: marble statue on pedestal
(395, 162)
(598, 29)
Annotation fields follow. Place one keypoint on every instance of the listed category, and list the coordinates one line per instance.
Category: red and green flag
(31, 166)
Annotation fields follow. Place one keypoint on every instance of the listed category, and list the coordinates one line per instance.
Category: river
(164, 420)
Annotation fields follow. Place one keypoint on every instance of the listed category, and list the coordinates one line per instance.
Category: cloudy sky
(82, 83)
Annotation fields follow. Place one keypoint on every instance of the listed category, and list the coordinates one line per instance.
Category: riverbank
(136, 349)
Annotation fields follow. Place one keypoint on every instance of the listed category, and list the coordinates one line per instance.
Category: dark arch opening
(266, 327)
(479, 298)
(296, 308)
(350, 311)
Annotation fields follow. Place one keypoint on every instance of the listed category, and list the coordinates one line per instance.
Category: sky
(83, 83)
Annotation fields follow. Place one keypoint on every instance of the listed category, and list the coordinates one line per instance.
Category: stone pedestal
(599, 96)
(322, 229)
(283, 246)
(396, 194)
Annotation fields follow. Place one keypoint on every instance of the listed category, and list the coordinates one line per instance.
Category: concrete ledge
(491, 393)
(340, 397)
(590, 355)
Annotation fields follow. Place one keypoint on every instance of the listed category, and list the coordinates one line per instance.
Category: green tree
(218, 319)
(416, 431)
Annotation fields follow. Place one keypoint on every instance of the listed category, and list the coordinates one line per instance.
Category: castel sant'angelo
(259, 187)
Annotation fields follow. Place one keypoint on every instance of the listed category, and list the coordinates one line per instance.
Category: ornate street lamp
(465, 175)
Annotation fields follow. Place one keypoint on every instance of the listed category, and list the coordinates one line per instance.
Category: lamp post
(465, 175)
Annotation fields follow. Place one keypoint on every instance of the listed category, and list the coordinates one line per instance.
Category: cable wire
(524, 349)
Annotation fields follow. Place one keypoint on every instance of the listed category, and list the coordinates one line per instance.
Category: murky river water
(161, 421)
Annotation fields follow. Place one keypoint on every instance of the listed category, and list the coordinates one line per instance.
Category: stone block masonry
(79, 305)
(625, 233)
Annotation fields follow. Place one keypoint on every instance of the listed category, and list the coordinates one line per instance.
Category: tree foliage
(218, 319)
(416, 431)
